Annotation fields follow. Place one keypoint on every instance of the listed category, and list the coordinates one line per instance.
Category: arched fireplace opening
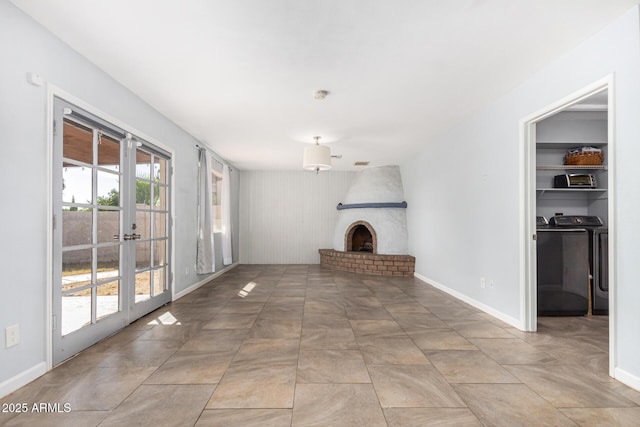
(360, 237)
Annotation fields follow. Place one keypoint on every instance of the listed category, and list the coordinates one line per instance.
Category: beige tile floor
(312, 347)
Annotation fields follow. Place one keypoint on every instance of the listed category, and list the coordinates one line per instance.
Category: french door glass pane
(159, 280)
(143, 193)
(160, 170)
(108, 262)
(142, 288)
(159, 253)
(108, 226)
(108, 188)
(76, 184)
(143, 255)
(160, 224)
(78, 143)
(76, 227)
(108, 152)
(76, 266)
(76, 311)
(107, 298)
(143, 224)
(143, 165)
(160, 193)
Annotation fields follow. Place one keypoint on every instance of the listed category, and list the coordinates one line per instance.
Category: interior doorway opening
(557, 193)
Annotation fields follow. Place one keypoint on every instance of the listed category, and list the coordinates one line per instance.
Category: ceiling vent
(320, 94)
(361, 164)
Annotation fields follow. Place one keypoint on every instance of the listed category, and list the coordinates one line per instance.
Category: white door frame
(53, 92)
(528, 301)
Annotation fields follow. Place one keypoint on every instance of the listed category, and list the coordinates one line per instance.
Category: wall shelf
(555, 136)
(573, 191)
(569, 144)
(570, 167)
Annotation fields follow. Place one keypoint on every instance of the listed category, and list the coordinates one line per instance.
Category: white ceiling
(239, 75)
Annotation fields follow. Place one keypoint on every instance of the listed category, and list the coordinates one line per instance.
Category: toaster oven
(574, 180)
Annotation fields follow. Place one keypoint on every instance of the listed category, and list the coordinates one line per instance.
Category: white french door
(147, 263)
(111, 235)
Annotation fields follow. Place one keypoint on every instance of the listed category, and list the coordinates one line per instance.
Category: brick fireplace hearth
(368, 263)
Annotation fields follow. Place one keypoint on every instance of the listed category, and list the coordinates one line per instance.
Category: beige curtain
(205, 262)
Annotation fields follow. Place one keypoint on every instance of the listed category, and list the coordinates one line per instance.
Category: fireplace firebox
(360, 237)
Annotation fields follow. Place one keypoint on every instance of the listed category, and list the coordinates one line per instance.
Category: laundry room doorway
(568, 222)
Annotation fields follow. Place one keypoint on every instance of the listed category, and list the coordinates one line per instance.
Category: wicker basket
(585, 158)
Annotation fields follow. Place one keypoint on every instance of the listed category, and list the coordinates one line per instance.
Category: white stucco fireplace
(371, 230)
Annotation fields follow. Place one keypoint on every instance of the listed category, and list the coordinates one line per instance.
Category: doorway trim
(528, 300)
(53, 92)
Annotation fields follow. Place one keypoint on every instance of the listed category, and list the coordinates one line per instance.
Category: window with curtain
(227, 253)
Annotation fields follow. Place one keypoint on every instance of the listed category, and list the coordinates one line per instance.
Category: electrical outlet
(12, 335)
(492, 283)
(483, 282)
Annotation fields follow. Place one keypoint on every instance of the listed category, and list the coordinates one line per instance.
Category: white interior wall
(286, 216)
(464, 194)
(24, 178)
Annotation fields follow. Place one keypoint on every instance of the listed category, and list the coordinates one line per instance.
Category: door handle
(135, 236)
(128, 237)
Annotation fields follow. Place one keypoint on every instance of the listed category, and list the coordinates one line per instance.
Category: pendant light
(317, 157)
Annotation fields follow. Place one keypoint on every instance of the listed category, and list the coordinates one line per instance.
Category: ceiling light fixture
(317, 157)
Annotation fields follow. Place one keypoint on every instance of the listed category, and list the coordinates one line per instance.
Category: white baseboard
(626, 378)
(204, 281)
(477, 304)
(22, 379)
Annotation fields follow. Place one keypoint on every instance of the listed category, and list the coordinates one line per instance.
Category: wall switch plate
(12, 335)
(483, 282)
